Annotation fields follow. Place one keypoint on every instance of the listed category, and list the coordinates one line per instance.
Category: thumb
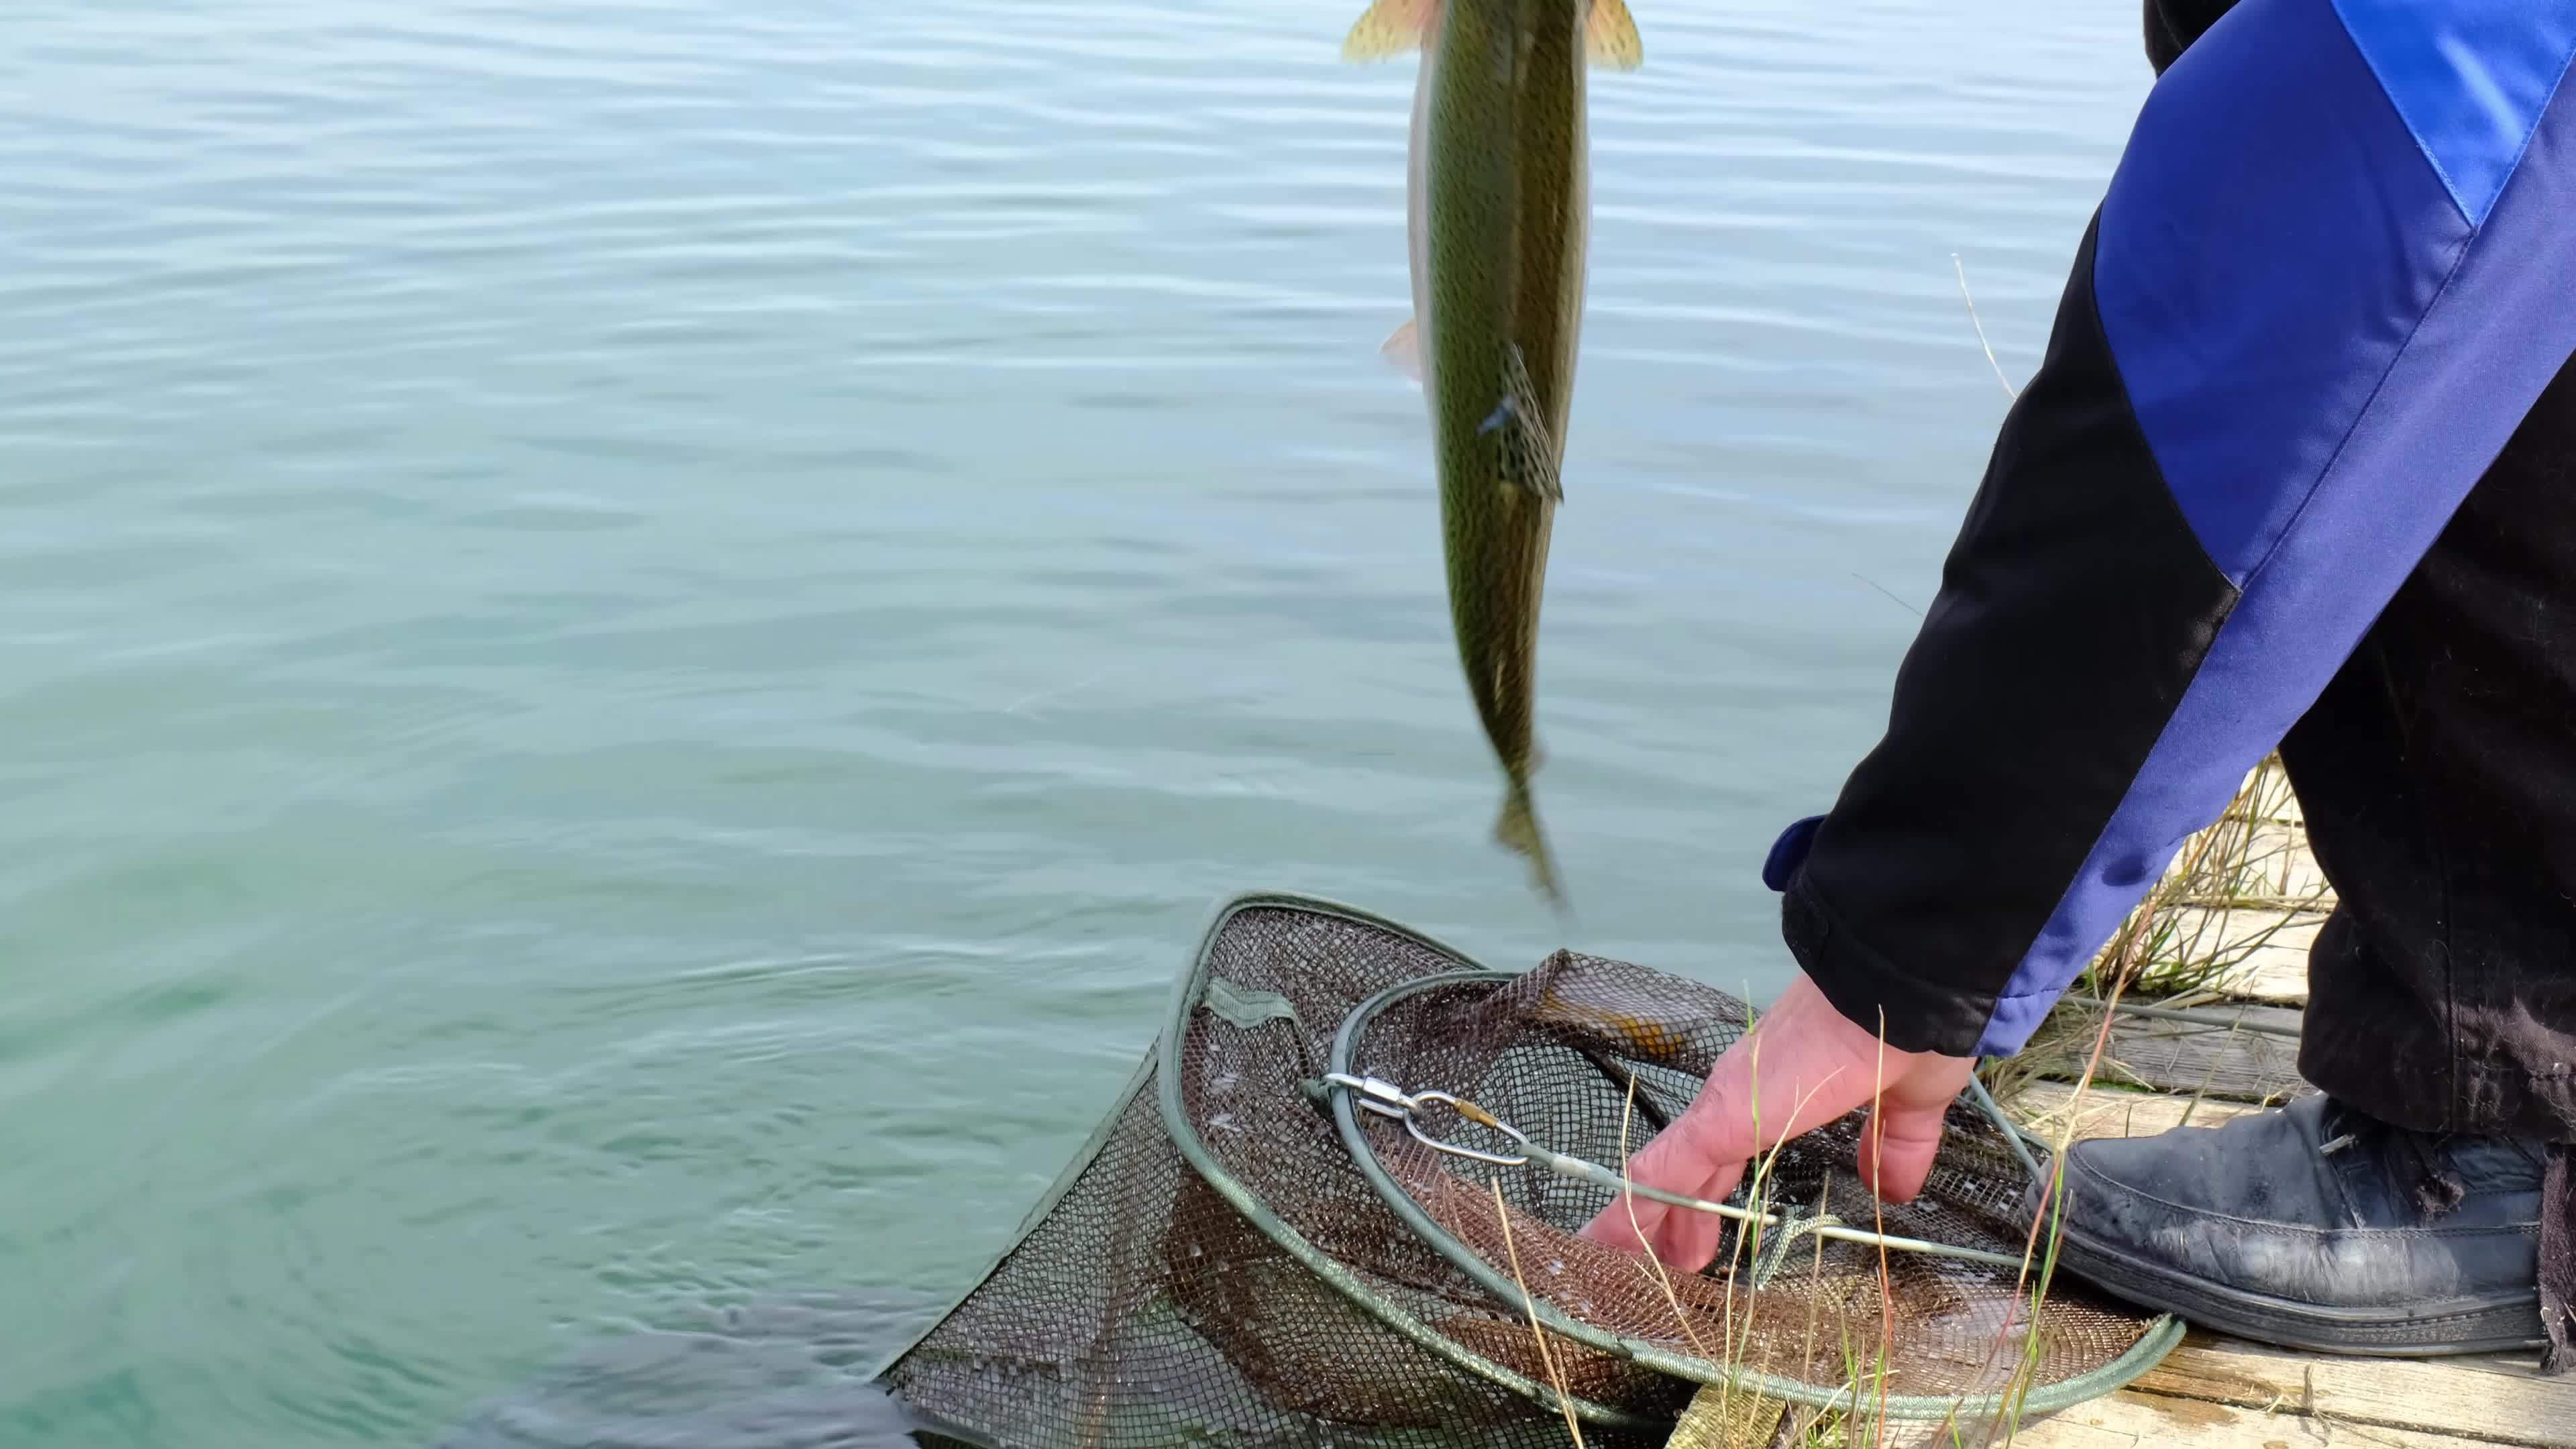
(1904, 1131)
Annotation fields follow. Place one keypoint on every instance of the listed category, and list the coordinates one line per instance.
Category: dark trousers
(2438, 772)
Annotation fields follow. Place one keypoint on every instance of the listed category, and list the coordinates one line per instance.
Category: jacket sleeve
(2333, 271)
(2172, 26)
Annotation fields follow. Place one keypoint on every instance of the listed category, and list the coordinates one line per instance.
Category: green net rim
(1187, 993)
(1190, 989)
(2163, 1333)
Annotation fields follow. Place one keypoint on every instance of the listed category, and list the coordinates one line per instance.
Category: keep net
(1220, 1266)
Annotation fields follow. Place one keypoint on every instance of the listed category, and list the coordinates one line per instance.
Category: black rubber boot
(2316, 1227)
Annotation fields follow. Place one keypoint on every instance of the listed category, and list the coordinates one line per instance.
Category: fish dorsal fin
(1403, 350)
(1528, 456)
(1610, 36)
(1391, 28)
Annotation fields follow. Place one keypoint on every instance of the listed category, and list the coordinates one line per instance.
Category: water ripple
(639, 629)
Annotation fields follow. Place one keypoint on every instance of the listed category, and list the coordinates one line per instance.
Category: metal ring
(1481, 1116)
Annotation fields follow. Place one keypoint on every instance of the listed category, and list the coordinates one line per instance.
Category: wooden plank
(2223, 1393)
(2133, 1420)
(2278, 864)
(2275, 971)
(2208, 1061)
(2267, 949)
(2188, 1059)
(2275, 974)
(2498, 1399)
(2257, 860)
(2274, 800)
(1722, 1416)
(2114, 1112)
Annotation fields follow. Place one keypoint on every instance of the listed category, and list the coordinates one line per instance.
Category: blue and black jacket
(2329, 294)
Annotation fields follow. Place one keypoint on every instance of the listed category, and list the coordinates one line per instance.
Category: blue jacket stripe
(2470, 77)
(2433, 418)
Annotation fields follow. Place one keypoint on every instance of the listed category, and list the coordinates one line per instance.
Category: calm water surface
(638, 632)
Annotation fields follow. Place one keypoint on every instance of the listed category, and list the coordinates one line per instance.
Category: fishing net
(1262, 1246)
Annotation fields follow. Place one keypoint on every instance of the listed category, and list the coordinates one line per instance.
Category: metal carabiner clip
(1388, 1100)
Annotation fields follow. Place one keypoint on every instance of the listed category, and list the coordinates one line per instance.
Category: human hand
(1804, 1065)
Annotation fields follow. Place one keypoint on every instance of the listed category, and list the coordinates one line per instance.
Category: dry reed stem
(1815, 1301)
(2160, 955)
(1555, 1376)
(1981, 329)
(1878, 1212)
(2052, 1206)
(1663, 1278)
(2051, 1201)
(1756, 1195)
(2123, 947)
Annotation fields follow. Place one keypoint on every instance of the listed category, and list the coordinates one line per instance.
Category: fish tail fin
(1390, 28)
(1610, 36)
(1518, 828)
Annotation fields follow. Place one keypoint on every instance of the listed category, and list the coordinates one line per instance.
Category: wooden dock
(2232, 924)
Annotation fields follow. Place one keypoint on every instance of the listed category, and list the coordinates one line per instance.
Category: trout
(1498, 211)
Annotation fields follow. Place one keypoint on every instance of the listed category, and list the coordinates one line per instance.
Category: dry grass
(2179, 941)
(2183, 945)
(1735, 1418)
(2232, 889)
(2180, 947)
(1742, 1418)
(1555, 1375)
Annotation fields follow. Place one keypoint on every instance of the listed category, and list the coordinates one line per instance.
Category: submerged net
(1241, 1258)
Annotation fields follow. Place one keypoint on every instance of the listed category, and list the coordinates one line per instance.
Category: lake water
(638, 632)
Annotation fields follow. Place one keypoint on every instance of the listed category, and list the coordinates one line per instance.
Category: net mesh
(1144, 1305)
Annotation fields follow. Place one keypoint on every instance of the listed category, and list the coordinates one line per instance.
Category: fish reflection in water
(789, 1375)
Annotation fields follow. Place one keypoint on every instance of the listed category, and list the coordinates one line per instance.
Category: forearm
(2309, 312)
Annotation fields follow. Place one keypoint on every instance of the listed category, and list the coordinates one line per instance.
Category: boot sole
(2456, 1327)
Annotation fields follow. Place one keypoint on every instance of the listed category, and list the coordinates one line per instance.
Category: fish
(1497, 224)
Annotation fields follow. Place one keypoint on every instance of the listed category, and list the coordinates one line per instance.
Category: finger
(1706, 1136)
(1629, 1224)
(1700, 1152)
(1677, 1159)
(1724, 1127)
(1898, 1146)
(1798, 1070)
(1671, 1160)
(1691, 1239)
(1904, 1131)
(1683, 1159)
(1706, 1154)
(1679, 1237)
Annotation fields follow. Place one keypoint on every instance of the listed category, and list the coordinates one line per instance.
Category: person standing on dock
(2298, 472)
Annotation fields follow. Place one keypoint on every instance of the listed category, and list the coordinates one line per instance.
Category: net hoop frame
(1163, 1065)
(2163, 1332)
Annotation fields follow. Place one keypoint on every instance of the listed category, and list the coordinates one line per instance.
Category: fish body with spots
(1497, 221)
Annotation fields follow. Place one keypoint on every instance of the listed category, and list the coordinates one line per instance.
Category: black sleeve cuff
(1920, 1015)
